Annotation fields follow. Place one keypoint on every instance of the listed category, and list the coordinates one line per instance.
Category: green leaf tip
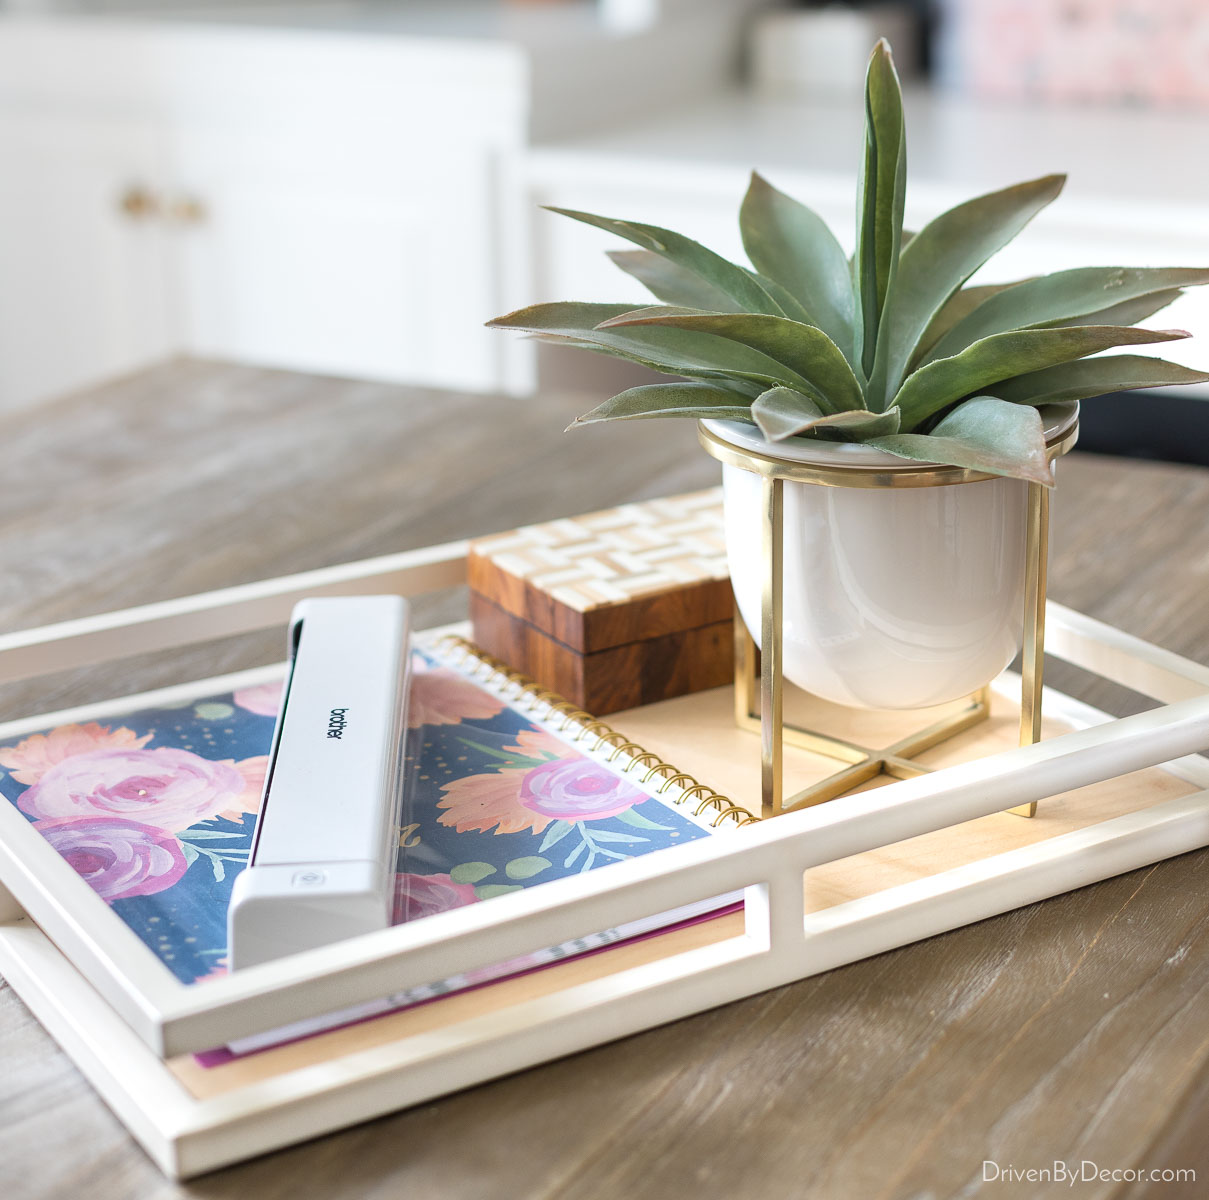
(881, 194)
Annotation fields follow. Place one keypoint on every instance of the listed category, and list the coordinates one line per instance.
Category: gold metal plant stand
(864, 763)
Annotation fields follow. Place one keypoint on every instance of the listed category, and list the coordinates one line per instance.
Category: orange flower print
(539, 744)
(31, 759)
(493, 802)
(490, 802)
(440, 696)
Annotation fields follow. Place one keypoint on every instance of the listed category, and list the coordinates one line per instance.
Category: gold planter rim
(909, 474)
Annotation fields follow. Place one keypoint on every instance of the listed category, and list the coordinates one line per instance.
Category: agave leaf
(863, 425)
(806, 351)
(958, 306)
(984, 434)
(744, 388)
(1060, 298)
(571, 314)
(1056, 414)
(789, 304)
(584, 317)
(880, 193)
(672, 284)
(792, 245)
(573, 340)
(1004, 355)
(938, 260)
(668, 349)
(730, 279)
(1128, 312)
(781, 413)
(907, 235)
(1093, 377)
(668, 400)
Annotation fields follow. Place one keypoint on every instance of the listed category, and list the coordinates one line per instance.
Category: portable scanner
(322, 865)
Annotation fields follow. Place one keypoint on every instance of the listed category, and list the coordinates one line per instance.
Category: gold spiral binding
(579, 725)
(633, 749)
(638, 761)
(736, 812)
(612, 740)
(599, 728)
(680, 778)
(659, 767)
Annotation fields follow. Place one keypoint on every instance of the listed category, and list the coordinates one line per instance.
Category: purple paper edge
(221, 1056)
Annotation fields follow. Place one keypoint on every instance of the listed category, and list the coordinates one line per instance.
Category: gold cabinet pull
(188, 210)
(139, 203)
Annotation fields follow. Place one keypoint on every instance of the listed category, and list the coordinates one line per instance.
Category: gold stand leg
(1032, 654)
(771, 632)
(747, 675)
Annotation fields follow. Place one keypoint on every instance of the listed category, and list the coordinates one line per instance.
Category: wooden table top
(1076, 1029)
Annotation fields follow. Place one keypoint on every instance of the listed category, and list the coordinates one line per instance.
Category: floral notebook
(156, 809)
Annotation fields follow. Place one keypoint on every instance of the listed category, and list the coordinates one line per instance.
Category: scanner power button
(308, 878)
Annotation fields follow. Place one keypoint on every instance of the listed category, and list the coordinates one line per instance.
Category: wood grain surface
(1071, 1030)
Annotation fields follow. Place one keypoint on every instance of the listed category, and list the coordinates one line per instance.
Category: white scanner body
(322, 865)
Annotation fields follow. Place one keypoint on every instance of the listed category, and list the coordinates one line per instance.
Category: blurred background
(351, 187)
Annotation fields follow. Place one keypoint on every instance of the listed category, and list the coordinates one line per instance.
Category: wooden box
(613, 609)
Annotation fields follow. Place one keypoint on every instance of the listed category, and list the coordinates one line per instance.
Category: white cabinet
(84, 289)
(341, 259)
(317, 203)
(124, 241)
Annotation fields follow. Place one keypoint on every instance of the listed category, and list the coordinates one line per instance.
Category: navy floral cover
(157, 808)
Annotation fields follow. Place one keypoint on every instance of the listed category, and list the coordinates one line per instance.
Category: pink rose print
(31, 759)
(163, 787)
(419, 896)
(117, 858)
(264, 699)
(577, 790)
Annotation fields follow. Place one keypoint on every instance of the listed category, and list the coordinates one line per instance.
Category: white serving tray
(131, 1026)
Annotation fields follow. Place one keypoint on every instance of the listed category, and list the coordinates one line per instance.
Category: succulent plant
(889, 348)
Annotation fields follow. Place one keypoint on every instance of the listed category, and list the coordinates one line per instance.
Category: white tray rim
(133, 1012)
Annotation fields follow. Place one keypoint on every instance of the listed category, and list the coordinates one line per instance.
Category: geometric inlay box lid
(621, 575)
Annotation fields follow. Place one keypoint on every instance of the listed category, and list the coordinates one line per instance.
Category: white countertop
(1112, 154)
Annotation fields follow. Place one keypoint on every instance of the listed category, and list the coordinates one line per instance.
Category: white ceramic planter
(895, 598)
